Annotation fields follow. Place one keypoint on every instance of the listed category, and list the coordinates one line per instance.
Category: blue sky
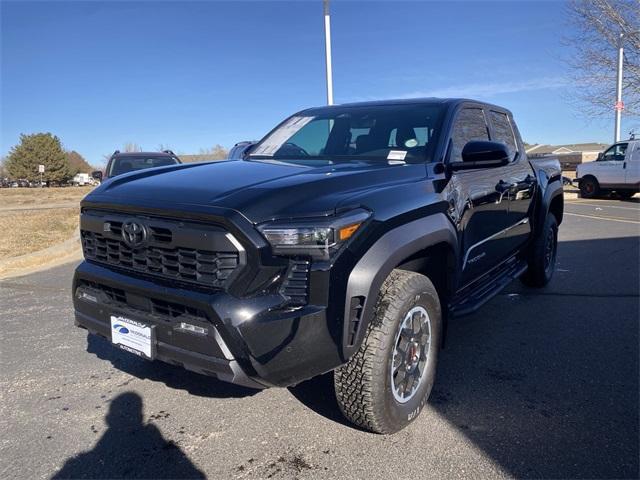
(190, 75)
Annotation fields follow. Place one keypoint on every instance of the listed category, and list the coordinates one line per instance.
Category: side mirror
(97, 175)
(482, 154)
(600, 156)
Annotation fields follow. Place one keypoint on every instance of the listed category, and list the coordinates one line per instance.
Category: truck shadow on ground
(130, 448)
(545, 382)
(170, 375)
(318, 394)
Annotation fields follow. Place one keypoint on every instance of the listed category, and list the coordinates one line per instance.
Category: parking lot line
(578, 202)
(612, 219)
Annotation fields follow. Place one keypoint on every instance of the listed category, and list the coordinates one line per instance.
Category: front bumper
(251, 341)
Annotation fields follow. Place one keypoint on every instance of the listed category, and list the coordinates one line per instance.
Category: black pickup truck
(345, 240)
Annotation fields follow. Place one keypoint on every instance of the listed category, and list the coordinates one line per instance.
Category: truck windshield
(400, 133)
(129, 163)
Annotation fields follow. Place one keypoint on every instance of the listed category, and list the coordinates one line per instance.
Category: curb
(64, 252)
(572, 194)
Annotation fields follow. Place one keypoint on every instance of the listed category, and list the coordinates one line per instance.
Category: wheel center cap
(412, 354)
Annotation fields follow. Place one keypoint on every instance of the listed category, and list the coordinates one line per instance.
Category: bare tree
(131, 147)
(162, 147)
(594, 35)
(217, 152)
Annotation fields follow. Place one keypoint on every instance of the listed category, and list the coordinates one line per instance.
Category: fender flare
(367, 276)
(552, 191)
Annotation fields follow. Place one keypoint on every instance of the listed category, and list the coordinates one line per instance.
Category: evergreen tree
(39, 149)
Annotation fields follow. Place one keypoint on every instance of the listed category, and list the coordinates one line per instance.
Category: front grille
(295, 286)
(161, 308)
(115, 295)
(204, 267)
(174, 310)
(192, 252)
(158, 234)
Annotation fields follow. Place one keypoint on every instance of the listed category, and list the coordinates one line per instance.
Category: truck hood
(260, 190)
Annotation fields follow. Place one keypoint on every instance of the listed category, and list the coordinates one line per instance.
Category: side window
(469, 125)
(615, 152)
(503, 131)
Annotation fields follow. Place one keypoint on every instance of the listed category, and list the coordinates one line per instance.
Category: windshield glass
(129, 163)
(401, 133)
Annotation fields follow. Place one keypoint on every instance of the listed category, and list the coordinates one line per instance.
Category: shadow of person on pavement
(170, 375)
(130, 449)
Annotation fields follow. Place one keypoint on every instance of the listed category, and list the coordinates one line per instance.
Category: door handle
(504, 187)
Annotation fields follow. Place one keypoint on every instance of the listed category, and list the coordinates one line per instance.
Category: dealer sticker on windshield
(132, 336)
(396, 155)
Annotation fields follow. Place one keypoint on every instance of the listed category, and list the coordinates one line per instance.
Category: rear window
(503, 131)
(121, 165)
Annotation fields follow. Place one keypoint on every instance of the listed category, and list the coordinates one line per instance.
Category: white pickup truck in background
(616, 169)
(82, 179)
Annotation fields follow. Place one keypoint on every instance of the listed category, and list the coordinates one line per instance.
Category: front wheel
(387, 382)
(589, 187)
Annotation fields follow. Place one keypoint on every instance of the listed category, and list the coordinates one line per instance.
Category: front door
(610, 167)
(478, 204)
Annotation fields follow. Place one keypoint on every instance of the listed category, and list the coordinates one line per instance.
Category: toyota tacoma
(343, 241)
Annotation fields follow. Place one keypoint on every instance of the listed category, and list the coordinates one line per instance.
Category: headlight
(318, 237)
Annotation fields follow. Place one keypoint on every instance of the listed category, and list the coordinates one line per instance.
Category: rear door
(519, 182)
(632, 161)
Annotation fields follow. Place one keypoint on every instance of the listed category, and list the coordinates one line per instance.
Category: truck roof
(413, 101)
(144, 154)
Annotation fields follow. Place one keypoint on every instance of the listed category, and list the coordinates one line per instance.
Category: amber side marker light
(347, 232)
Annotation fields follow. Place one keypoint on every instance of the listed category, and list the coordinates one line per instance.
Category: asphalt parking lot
(538, 384)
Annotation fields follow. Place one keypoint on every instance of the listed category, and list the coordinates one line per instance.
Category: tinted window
(469, 125)
(503, 131)
(404, 132)
(126, 164)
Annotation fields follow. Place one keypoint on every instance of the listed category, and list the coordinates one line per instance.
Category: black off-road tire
(542, 255)
(364, 385)
(589, 187)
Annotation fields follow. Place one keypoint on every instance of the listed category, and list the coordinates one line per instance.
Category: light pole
(619, 105)
(327, 50)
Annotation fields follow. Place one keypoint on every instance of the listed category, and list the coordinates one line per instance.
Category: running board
(470, 301)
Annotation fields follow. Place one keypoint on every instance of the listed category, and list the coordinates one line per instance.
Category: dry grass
(32, 230)
(24, 197)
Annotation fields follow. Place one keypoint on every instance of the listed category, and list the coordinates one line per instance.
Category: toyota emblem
(133, 233)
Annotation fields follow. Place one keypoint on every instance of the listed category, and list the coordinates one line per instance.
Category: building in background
(568, 155)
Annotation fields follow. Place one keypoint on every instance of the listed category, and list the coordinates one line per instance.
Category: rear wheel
(542, 256)
(589, 187)
(387, 382)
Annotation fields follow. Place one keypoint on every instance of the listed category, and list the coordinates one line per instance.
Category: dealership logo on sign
(121, 329)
